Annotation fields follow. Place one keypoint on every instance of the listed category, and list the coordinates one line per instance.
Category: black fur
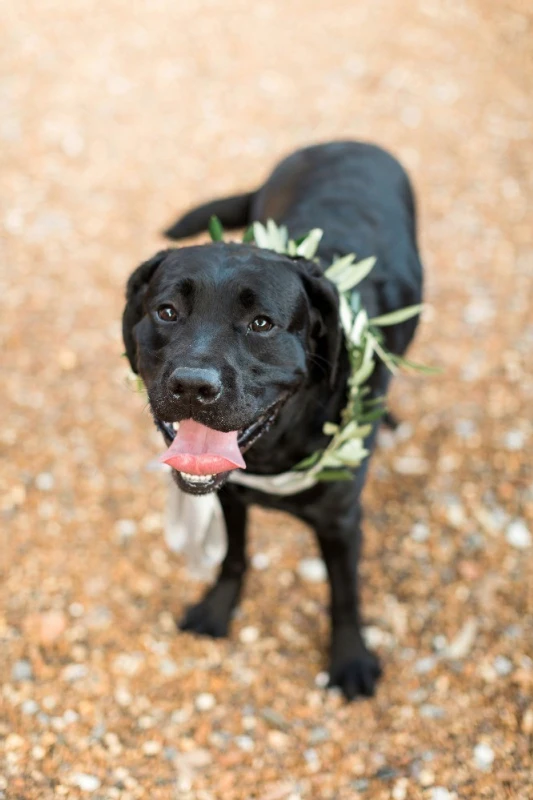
(361, 197)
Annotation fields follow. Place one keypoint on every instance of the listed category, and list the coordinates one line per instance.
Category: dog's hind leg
(212, 615)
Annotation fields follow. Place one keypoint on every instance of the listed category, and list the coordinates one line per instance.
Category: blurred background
(114, 118)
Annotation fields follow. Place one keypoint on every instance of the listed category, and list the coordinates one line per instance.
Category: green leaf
(395, 317)
(364, 372)
(358, 432)
(248, 235)
(135, 382)
(360, 323)
(300, 239)
(334, 475)
(261, 236)
(308, 462)
(348, 430)
(278, 236)
(345, 314)
(216, 231)
(353, 450)
(404, 362)
(372, 416)
(339, 266)
(309, 246)
(330, 429)
(357, 273)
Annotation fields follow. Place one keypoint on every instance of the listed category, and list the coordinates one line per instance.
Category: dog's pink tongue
(199, 450)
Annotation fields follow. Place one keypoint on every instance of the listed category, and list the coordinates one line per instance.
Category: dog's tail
(233, 212)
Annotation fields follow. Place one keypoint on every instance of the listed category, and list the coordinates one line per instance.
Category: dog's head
(222, 334)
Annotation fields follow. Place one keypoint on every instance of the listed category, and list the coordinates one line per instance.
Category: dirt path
(115, 116)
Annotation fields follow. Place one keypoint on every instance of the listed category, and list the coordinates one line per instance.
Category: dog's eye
(167, 313)
(261, 325)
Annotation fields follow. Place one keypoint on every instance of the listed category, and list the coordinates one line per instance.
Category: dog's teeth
(197, 478)
(175, 425)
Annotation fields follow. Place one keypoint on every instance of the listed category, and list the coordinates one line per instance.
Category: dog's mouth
(202, 458)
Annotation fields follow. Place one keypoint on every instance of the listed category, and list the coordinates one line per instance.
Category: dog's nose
(200, 385)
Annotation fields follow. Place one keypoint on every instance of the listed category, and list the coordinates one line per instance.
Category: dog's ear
(326, 329)
(133, 311)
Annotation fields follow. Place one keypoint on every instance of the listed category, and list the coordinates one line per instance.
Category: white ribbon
(195, 524)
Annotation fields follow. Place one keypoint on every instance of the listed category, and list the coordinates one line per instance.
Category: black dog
(245, 345)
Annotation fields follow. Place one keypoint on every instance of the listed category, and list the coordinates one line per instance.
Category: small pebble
(385, 773)
(67, 359)
(125, 529)
(464, 641)
(312, 570)
(423, 665)
(440, 793)
(205, 701)
(274, 718)
(249, 635)
(44, 481)
(245, 743)
(277, 739)
(98, 731)
(432, 712)
(123, 697)
(411, 465)
(85, 782)
(465, 428)
(322, 680)
(198, 757)
(74, 672)
(502, 665)
(527, 722)
(128, 663)
(440, 642)
(318, 735)
(167, 667)
(170, 753)
(29, 707)
(375, 637)
(152, 748)
(514, 440)
(483, 756)
(420, 532)
(76, 610)
(518, 535)
(51, 625)
(21, 671)
(311, 757)
(426, 777)
(399, 790)
(404, 431)
(260, 561)
(456, 515)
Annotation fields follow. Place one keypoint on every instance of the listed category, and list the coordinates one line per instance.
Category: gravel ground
(115, 116)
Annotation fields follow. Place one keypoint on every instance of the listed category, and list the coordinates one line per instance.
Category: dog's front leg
(212, 615)
(352, 667)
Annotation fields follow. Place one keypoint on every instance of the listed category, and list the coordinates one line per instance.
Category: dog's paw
(205, 620)
(212, 615)
(356, 676)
